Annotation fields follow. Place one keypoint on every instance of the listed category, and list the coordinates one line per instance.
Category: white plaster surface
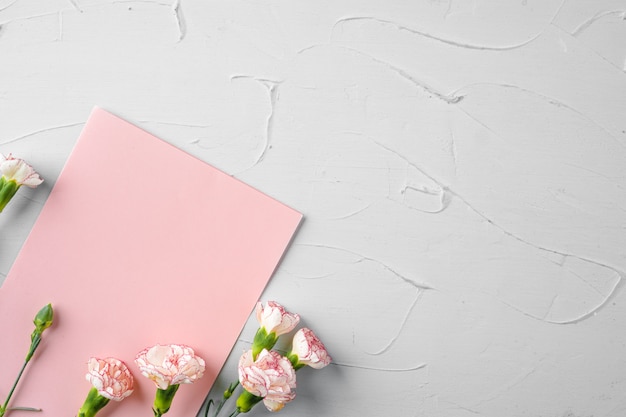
(461, 166)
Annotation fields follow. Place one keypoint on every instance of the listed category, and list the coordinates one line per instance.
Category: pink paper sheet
(139, 243)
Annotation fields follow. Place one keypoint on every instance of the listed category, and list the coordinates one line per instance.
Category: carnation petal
(19, 171)
(172, 364)
(310, 349)
(110, 377)
(273, 405)
(275, 319)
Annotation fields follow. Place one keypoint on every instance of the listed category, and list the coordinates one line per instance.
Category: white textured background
(461, 166)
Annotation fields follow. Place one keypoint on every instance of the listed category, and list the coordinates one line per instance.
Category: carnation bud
(44, 318)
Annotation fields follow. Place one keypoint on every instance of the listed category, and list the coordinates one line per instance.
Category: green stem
(208, 407)
(34, 344)
(42, 321)
(219, 406)
(6, 403)
(35, 340)
(227, 394)
(24, 409)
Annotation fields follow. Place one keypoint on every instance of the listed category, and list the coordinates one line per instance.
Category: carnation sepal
(163, 399)
(263, 340)
(246, 401)
(8, 188)
(43, 319)
(295, 361)
(93, 403)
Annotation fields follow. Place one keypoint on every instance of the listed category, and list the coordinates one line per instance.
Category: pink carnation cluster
(167, 366)
(264, 374)
(270, 376)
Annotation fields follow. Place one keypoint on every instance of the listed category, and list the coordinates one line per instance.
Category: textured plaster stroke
(444, 201)
(512, 384)
(585, 25)
(618, 284)
(435, 38)
(370, 368)
(551, 100)
(444, 40)
(599, 174)
(272, 89)
(584, 281)
(30, 17)
(456, 406)
(190, 125)
(81, 10)
(393, 340)
(354, 213)
(405, 191)
(158, 3)
(8, 5)
(176, 10)
(363, 258)
(448, 98)
(37, 132)
(584, 45)
(448, 10)
(419, 288)
(311, 277)
(453, 151)
(613, 411)
(550, 307)
(180, 20)
(60, 37)
(442, 186)
(75, 5)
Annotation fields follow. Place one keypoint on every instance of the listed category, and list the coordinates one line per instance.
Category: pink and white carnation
(16, 169)
(167, 365)
(110, 377)
(275, 319)
(309, 349)
(270, 377)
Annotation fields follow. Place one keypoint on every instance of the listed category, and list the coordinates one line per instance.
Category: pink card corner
(139, 243)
